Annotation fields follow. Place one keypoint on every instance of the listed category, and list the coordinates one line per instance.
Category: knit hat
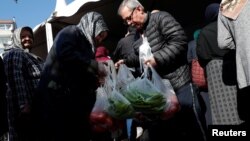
(211, 12)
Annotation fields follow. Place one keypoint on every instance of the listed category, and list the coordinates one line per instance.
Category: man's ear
(139, 8)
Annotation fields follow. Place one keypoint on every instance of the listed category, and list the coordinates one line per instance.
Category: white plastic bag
(99, 119)
(145, 96)
(124, 76)
(151, 95)
(144, 52)
(101, 100)
(172, 104)
(117, 106)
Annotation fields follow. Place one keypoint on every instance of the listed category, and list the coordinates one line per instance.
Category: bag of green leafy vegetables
(117, 106)
(150, 95)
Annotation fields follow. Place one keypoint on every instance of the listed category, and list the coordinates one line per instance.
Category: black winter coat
(66, 91)
(168, 42)
(125, 46)
(3, 104)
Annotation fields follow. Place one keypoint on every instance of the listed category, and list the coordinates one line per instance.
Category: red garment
(198, 74)
(102, 54)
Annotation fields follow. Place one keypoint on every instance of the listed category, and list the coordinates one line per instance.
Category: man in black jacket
(124, 47)
(168, 44)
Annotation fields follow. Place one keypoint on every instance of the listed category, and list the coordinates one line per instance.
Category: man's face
(26, 39)
(132, 17)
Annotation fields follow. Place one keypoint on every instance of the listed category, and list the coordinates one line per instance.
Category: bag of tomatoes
(101, 122)
(99, 119)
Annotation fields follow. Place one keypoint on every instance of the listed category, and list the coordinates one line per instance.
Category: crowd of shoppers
(52, 100)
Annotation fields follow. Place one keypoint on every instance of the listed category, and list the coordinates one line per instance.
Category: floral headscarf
(92, 24)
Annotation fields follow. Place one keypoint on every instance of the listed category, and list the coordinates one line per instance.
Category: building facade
(6, 29)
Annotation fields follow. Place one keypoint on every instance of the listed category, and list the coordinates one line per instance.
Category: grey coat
(234, 34)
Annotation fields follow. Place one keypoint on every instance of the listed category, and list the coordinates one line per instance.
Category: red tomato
(99, 117)
(101, 121)
(99, 129)
(109, 121)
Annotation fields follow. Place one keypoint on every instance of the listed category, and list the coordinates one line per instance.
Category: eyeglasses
(129, 18)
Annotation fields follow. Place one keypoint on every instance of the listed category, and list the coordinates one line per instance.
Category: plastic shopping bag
(144, 52)
(118, 106)
(164, 85)
(124, 77)
(145, 96)
(99, 119)
(150, 95)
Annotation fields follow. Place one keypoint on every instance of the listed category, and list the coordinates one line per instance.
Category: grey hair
(131, 4)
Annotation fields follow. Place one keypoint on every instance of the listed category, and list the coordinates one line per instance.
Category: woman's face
(100, 37)
(26, 39)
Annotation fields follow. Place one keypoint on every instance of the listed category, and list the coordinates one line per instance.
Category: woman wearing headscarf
(66, 92)
(22, 70)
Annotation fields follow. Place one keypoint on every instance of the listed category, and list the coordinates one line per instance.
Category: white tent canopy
(189, 16)
(71, 14)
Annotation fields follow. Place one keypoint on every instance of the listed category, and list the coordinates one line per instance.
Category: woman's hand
(118, 63)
